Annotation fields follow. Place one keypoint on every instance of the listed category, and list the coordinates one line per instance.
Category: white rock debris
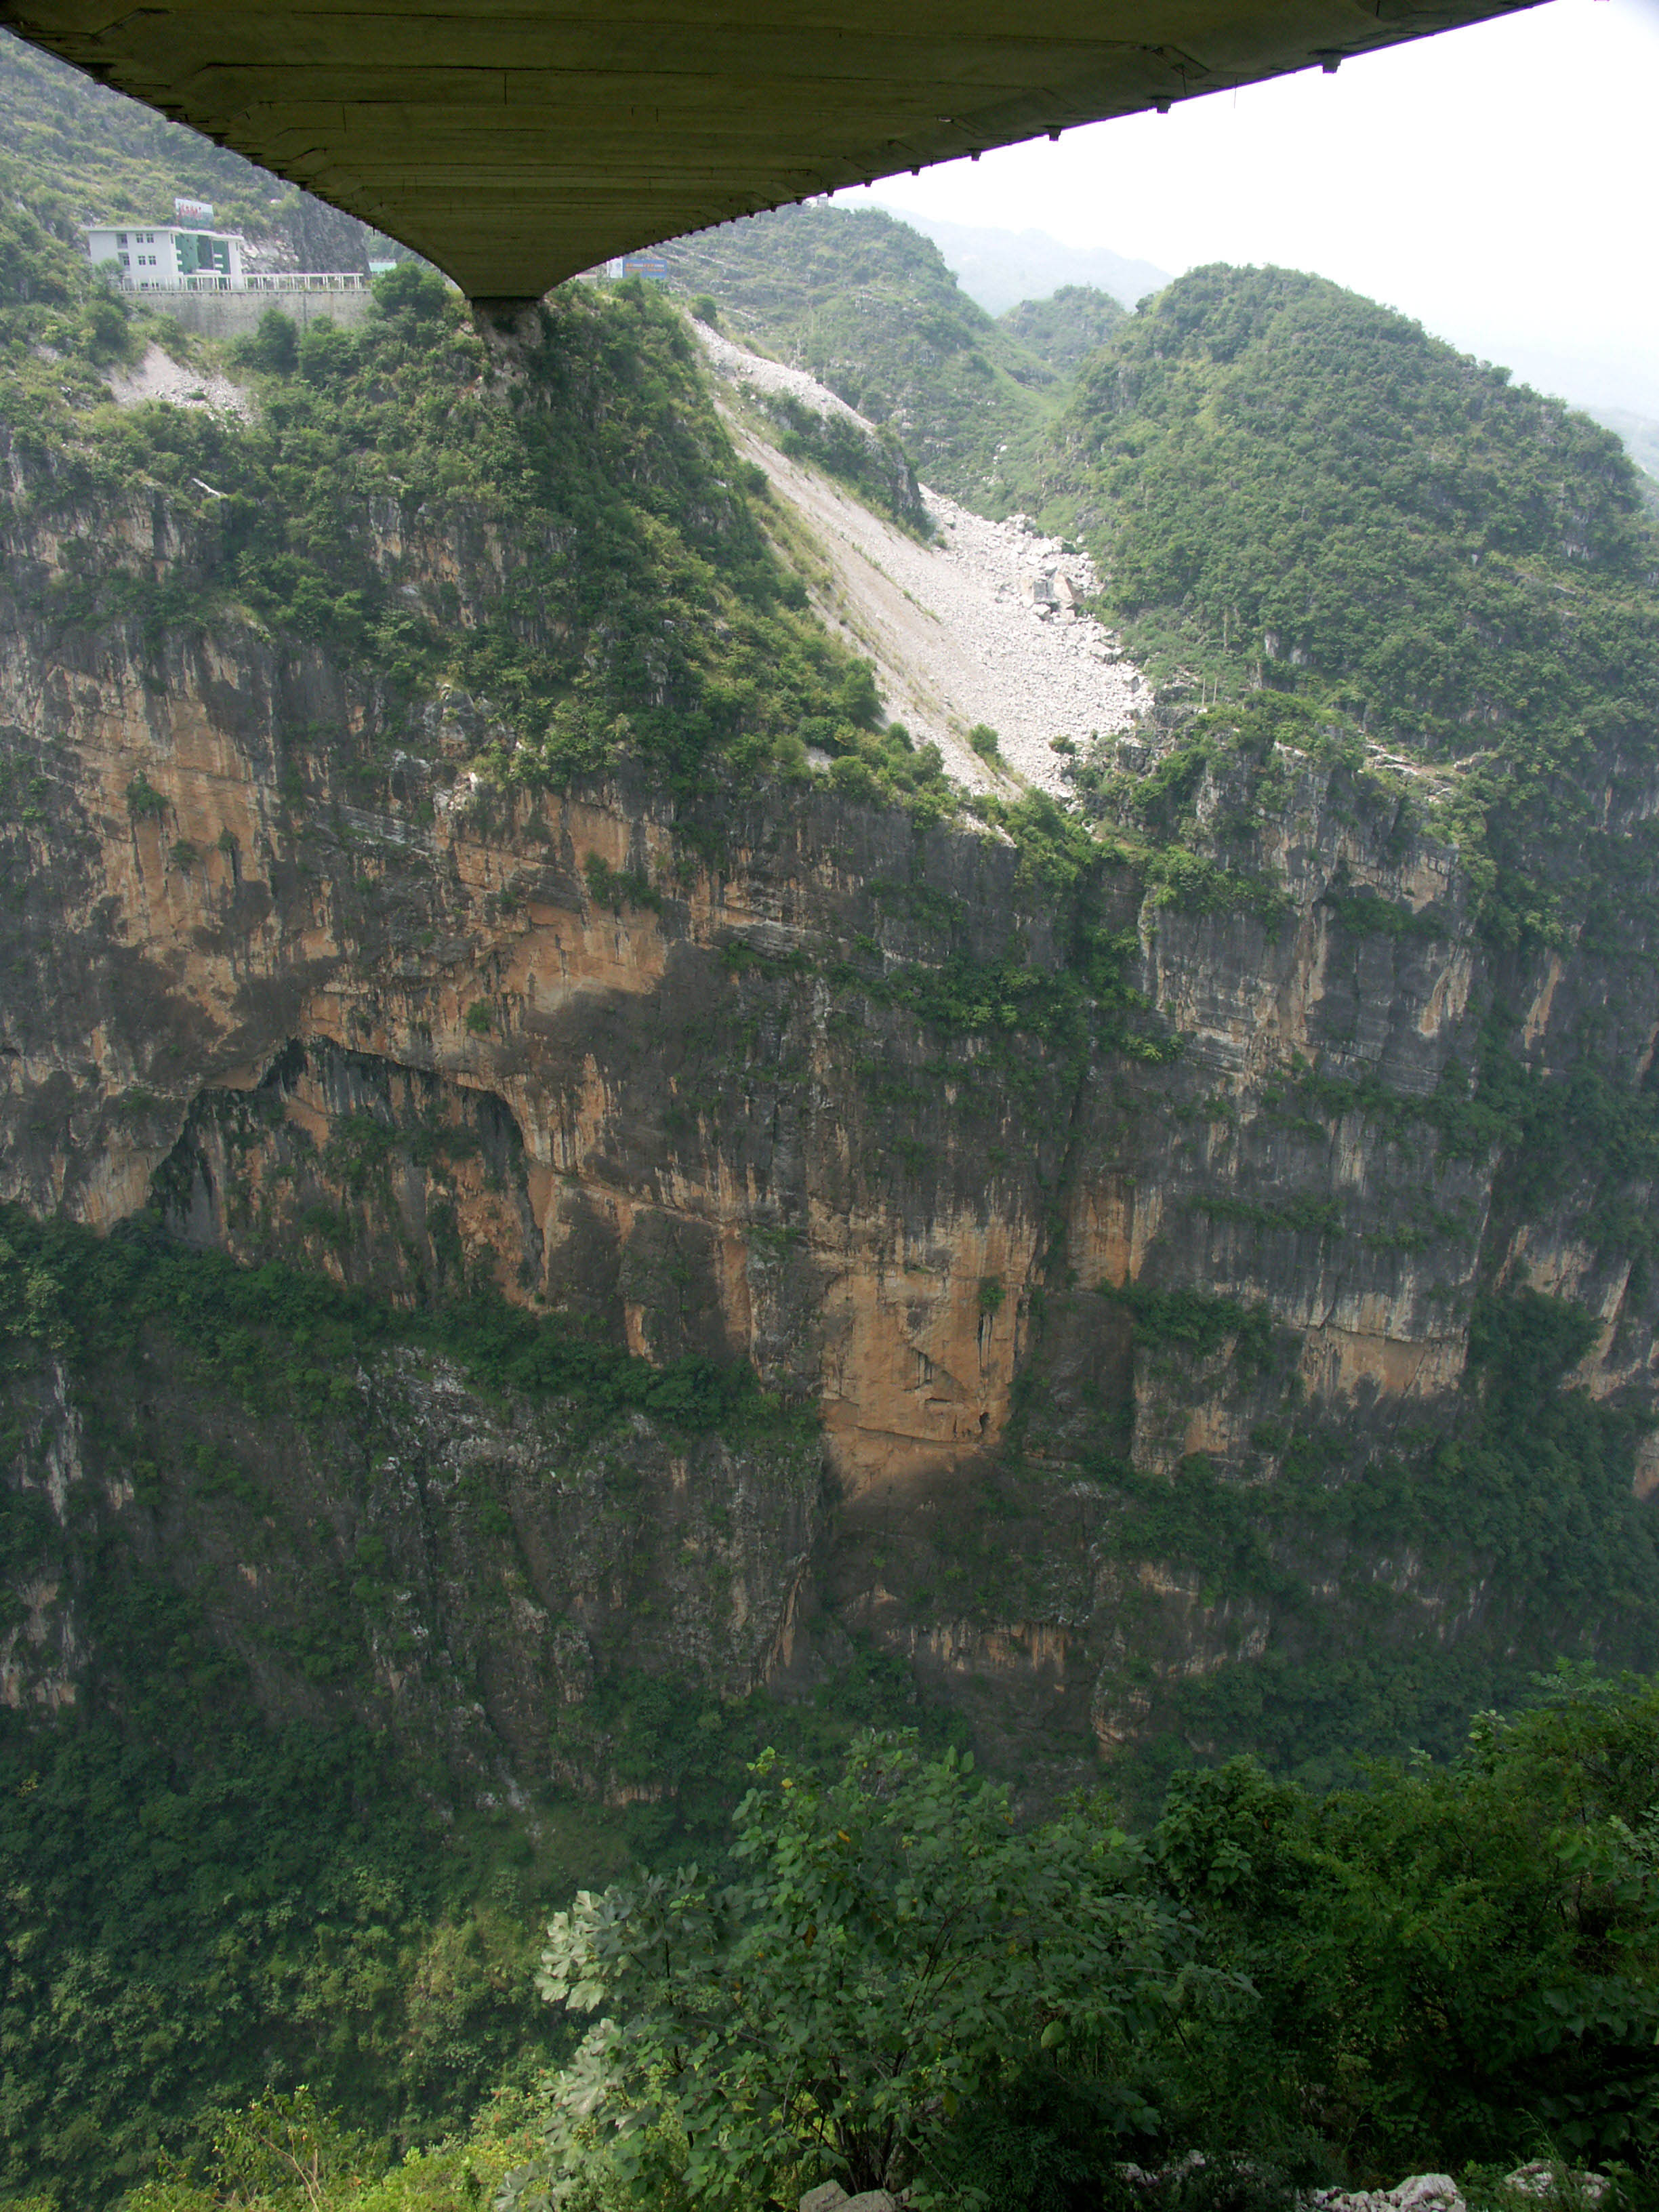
(1438, 2192)
(738, 365)
(158, 376)
(985, 625)
(1418, 2192)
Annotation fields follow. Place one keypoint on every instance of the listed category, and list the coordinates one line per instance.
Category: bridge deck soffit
(516, 145)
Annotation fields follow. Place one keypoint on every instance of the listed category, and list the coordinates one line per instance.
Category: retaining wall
(232, 314)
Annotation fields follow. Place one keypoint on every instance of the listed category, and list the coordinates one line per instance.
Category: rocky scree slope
(970, 625)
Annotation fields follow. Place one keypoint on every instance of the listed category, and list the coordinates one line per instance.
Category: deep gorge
(572, 1210)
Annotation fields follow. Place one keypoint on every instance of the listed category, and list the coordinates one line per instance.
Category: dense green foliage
(890, 1939)
(1442, 1961)
(203, 1896)
(888, 1978)
(1424, 1972)
(196, 1908)
(1521, 1521)
(1287, 482)
(1287, 485)
(280, 1337)
(50, 307)
(869, 306)
(1065, 328)
(286, 2151)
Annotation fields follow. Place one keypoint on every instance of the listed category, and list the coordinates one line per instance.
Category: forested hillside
(1288, 481)
(868, 306)
(574, 1214)
(1288, 486)
(1067, 327)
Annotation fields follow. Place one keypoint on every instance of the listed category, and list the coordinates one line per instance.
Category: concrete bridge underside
(515, 142)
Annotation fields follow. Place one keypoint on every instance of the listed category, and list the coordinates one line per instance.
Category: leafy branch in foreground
(892, 1948)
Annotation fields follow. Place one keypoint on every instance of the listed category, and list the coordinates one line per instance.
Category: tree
(1449, 1962)
(274, 347)
(894, 1949)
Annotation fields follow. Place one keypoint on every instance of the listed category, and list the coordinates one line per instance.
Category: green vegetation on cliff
(204, 1893)
(86, 1299)
(1520, 1523)
(628, 607)
(198, 1907)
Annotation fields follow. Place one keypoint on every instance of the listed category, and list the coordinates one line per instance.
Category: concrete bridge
(516, 141)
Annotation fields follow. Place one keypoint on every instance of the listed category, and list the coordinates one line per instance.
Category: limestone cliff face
(687, 1071)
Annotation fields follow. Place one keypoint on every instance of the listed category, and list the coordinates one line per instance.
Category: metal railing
(273, 280)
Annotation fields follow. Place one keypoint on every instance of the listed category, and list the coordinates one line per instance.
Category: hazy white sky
(1500, 183)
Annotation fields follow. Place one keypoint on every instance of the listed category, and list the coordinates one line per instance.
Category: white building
(168, 257)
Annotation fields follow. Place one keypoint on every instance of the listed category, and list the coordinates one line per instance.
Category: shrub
(274, 347)
(410, 294)
(857, 700)
(892, 1946)
(327, 353)
(144, 802)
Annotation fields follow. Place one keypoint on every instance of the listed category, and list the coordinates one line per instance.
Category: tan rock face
(557, 1042)
(735, 1081)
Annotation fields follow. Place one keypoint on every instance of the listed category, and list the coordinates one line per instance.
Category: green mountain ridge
(1284, 486)
(1280, 477)
(867, 306)
(1067, 327)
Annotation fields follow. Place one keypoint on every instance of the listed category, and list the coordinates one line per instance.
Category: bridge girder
(514, 142)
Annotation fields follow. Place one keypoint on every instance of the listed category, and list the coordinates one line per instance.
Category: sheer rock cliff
(783, 1079)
